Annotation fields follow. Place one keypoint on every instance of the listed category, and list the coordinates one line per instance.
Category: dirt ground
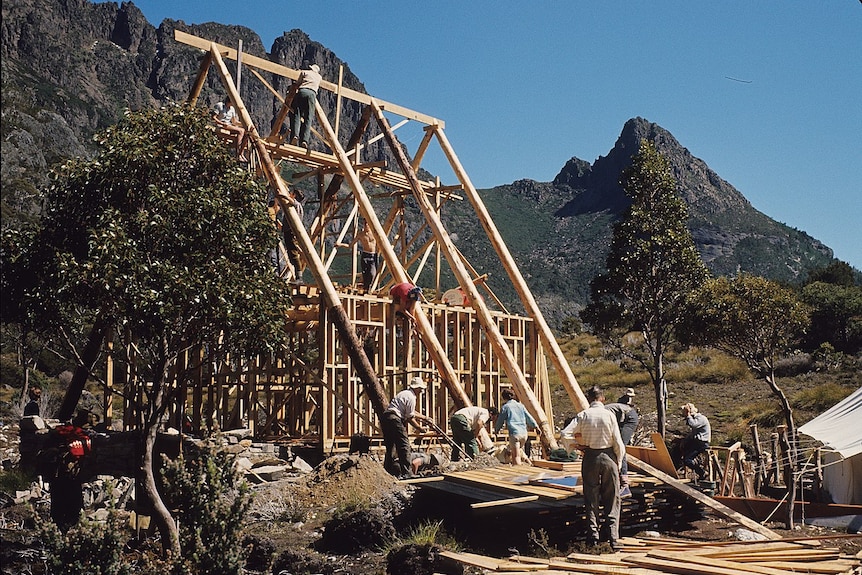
(351, 498)
(345, 483)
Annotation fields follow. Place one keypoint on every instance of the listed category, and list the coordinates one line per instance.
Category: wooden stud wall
(301, 396)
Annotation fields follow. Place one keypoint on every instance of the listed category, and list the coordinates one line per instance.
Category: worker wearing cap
(627, 419)
(401, 411)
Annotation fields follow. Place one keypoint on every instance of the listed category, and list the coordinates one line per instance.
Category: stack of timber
(659, 556)
(553, 491)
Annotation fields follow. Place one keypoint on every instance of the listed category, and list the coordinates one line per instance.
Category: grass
(14, 480)
(719, 384)
(425, 533)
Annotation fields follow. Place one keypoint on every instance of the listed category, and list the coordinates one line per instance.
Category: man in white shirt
(401, 411)
(226, 117)
(596, 432)
(466, 423)
(304, 103)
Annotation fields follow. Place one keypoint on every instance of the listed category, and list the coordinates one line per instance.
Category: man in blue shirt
(517, 420)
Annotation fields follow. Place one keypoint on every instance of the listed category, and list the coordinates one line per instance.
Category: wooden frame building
(348, 352)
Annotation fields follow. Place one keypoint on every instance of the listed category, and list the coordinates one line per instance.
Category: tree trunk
(165, 523)
(88, 359)
(792, 451)
(659, 385)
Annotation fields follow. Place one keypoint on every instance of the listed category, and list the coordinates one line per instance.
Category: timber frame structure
(348, 352)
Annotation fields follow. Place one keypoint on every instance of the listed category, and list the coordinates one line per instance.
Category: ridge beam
(272, 67)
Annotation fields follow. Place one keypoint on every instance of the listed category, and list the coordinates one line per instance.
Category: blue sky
(767, 93)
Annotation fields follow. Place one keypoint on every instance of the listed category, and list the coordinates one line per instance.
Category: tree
(837, 273)
(756, 320)
(162, 240)
(652, 266)
(836, 316)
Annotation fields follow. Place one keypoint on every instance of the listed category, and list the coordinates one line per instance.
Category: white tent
(839, 429)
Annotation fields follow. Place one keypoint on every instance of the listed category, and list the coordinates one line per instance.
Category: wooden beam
(500, 502)
(719, 508)
(423, 326)
(292, 218)
(532, 308)
(269, 66)
(501, 348)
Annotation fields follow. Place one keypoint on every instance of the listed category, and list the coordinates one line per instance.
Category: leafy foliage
(836, 316)
(89, 548)
(652, 267)
(163, 234)
(749, 317)
(163, 238)
(211, 499)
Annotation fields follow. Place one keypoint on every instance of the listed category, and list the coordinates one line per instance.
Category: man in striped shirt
(596, 432)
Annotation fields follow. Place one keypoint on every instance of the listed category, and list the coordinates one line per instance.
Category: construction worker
(304, 103)
(368, 254)
(400, 413)
(466, 424)
(226, 117)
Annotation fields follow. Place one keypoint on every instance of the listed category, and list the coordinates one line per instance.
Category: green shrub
(211, 500)
(13, 480)
(429, 533)
(88, 548)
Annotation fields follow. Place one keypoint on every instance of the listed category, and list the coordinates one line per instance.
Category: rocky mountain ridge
(71, 67)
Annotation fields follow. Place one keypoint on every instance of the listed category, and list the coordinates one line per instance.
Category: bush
(302, 562)
(260, 552)
(14, 480)
(211, 500)
(88, 548)
(356, 531)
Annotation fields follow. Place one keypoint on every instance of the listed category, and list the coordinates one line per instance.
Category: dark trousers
(369, 269)
(303, 107)
(627, 431)
(601, 478)
(463, 436)
(691, 449)
(395, 438)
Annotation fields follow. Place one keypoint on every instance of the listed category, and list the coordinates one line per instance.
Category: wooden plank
(820, 567)
(500, 502)
(602, 568)
(269, 66)
(557, 465)
(525, 489)
(687, 568)
(492, 564)
(688, 558)
(664, 459)
(719, 508)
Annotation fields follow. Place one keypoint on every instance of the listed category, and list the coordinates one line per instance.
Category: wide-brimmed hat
(314, 67)
(630, 392)
(418, 383)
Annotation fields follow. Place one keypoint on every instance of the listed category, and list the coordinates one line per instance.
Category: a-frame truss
(349, 351)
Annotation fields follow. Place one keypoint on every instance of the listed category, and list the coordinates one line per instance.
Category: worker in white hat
(401, 411)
